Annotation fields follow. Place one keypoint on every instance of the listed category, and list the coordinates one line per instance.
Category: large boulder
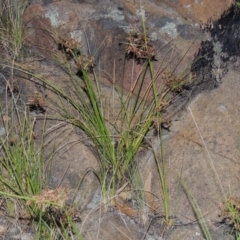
(207, 158)
(201, 153)
(103, 25)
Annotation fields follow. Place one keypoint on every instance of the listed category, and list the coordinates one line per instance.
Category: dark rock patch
(220, 52)
(227, 31)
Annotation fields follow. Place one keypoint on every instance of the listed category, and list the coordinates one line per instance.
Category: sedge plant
(23, 183)
(141, 108)
(21, 163)
(12, 32)
(11, 26)
(82, 106)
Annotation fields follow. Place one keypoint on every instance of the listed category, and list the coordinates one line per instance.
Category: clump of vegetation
(11, 26)
(23, 181)
(230, 213)
(118, 145)
(237, 3)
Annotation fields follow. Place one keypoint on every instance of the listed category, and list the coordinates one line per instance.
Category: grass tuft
(230, 212)
(11, 26)
(23, 183)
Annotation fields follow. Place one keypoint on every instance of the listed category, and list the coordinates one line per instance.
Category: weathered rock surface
(202, 148)
(209, 140)
(72, 164)
(109, 226)
(200, 11)
(202, 145)
(102, 26)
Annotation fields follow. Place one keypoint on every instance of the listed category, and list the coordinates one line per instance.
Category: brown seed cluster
(36, 102)
(172, 82)
(84, 62)
(71, 48)
(138, 46)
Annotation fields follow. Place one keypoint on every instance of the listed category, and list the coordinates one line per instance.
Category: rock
(214, 161)
(203, 149)
(108, 226)
(71, 164)
(200, 11)
(101, 27)
(208, 167)
(187, 233)
(3, 229)
(193, 232)
(72, 161)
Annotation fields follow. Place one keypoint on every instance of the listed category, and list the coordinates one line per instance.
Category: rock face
(200, 10)
(208, 146)
(201, 149)
(202, 145)
(72, 164)
(172, 26)
(102, 26)
(109, 226)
